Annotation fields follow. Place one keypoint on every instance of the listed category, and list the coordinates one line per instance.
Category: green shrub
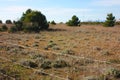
(113, 72)
(53, 22)
(31, 29)
(0, 29)
(46, 64)
(13, 29)
(68, 51)
(4, 28)
(29, 63)
(110, 20)
(60, 64)
(51, 44)
(36, 20)
(74, 21)
(8, 22)
(0, 21)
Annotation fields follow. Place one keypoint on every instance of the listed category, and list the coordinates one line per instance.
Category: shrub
(8, 22)
(29, 63)
(51, 44)
(34, 19)
(55, 48)
(68, 51)
(0, 21)
(113, 72)
(19, 25)
(13, 29)
(0, 29)
(74, 21)
(46, 64)
(31, 29)
(60, 64)
(4, 28)
(53, 22)
(110, 20)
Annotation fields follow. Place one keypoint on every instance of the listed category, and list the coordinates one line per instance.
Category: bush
(110, 20)
(113, 72)
(0, 21)
(13, 29)
(74, 21)
(53, 22)
(60, 64)
(4, 28)
(31, 29)
(19, 25)
(34, 20)
(29, 63)
(68, 51)
(8, 22)
(46, 64)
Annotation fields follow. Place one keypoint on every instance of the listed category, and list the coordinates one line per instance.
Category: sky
(61, 10)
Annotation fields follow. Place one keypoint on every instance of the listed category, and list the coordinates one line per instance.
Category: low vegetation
(74, 21)
(88, 52)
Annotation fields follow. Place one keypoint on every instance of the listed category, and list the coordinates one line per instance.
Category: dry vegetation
(88, 52)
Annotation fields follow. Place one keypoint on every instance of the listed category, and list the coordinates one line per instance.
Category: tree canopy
(74, 21)
(110, 20)
(34, 18)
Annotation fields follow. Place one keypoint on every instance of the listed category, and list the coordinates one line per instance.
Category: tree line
(35, 21)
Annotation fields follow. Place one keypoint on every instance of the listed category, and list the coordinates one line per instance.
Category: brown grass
(89, 41)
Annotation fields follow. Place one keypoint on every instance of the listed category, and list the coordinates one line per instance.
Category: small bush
(55, 48)
(37, 56)
(53, 22)
(8, 22)
(4, 28)
(31, 29)
(51, 44)
(105, 52)
(113, 72)
(46, 64)
(29, 63)
(68, 51)
(60, 64)
(74, 21)
(13, 29)
(0, 21)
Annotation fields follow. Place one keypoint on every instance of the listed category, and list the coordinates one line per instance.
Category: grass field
(87, 52)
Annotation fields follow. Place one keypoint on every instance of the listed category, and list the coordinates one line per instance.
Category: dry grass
(89, 41)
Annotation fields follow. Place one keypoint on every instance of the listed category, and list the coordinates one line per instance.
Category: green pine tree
(110, 20)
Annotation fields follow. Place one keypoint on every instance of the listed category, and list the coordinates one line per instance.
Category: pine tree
(74, 21)
(110, 20)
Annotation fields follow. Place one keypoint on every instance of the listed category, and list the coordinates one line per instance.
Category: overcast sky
(61, 10)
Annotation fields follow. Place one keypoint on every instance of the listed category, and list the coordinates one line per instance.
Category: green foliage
(60, 64)
(8, 22)
(18, 25)
(31, 29)
(46, 64)
(110, 20)
(53, 22)
(4, 28)
(13, 29)
(29, 63)
(92, 23)
(0, 21)
(34, 19)
(74, 21)
(113, 72)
